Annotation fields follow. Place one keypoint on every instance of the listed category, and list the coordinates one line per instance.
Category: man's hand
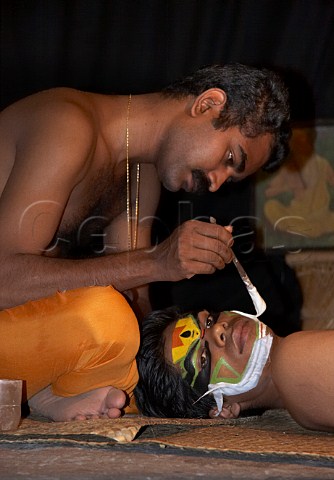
(229, 410)
(195, 248)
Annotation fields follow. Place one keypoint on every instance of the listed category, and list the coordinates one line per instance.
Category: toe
(116, 399)
(114, 413)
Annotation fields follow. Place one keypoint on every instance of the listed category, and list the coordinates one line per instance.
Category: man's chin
(198, 190)
(195, 190)
(168, 186)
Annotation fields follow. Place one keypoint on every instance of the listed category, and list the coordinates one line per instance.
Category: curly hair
(257, 102)
(161, 391)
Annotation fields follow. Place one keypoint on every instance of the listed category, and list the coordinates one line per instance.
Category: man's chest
(89, 210)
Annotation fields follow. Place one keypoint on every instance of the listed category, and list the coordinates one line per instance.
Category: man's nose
(217, 178)
(218, 333)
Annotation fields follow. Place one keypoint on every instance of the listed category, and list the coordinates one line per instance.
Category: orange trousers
(74, 341)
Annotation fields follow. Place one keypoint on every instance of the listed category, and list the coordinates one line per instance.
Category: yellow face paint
(185, 333)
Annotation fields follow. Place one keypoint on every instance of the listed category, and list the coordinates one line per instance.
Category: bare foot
(102, 402)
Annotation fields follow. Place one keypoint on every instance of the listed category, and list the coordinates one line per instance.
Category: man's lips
(240, 334)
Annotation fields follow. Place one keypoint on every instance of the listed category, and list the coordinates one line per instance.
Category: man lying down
(206, 364)
(76, 352)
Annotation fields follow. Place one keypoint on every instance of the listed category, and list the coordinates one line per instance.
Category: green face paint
(222, 362)
(189, 365)
(187, 341)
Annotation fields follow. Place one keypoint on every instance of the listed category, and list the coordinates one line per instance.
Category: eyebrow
(240, 167)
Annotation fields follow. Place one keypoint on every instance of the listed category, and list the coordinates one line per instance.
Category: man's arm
(46, 154)
(51, 159)
(29, 276)
(194, 247)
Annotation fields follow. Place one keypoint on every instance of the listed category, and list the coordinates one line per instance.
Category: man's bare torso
(98, 191)
(90, 209)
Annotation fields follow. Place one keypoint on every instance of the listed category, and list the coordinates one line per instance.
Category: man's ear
(210, 101)
(229, 410)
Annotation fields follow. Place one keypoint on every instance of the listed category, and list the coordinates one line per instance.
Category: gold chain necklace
(132, 223)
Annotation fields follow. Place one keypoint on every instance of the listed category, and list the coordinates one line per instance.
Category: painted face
(218, 347)
(186, 341)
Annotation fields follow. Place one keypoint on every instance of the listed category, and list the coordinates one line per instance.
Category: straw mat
(274, 434)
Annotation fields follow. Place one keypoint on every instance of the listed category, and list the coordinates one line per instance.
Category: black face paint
(203, 378)
(188, 365)
(194, 375)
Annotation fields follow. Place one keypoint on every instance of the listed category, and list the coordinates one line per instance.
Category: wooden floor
(133, 463)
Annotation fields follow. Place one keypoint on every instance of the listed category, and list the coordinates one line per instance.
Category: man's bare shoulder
(58, 124)
(303, 370)
(304, 337)
(298, 353)
(47, 108)
(44, 98)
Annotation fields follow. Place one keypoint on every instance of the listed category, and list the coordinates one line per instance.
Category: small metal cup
(10, 404)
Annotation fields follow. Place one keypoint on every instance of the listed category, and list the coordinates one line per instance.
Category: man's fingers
(218, 261)
(222, 234)
(194, 267)
(196, 248)
(206, 249)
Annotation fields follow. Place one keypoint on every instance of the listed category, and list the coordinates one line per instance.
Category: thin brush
(259, 303)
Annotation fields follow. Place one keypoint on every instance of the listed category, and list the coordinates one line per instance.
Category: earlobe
(210, 101)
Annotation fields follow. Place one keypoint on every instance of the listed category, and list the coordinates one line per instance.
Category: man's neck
(150, 117)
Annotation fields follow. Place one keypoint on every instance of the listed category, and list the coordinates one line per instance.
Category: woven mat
(272, 434)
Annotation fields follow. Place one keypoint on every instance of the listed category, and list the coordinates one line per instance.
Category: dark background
(139, 46)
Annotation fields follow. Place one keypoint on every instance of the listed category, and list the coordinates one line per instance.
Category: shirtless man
(64, 186)
(240, 361)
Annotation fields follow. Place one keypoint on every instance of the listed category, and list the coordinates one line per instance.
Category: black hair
(257, 102)
(161, 390)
